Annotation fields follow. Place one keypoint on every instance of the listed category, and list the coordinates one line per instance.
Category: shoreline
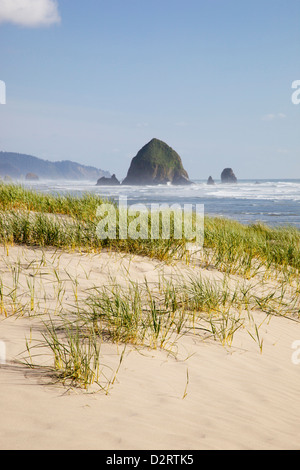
(268, 203)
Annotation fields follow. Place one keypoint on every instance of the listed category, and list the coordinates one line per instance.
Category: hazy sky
(93, 81)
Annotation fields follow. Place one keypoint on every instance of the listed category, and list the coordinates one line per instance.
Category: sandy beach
(202, 395)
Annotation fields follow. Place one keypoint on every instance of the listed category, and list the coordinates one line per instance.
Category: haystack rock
(156, 163)
(113, 181)
(210, 181)
(228, 176)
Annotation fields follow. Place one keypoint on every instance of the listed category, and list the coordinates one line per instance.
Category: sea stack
(228, 176)
(156, 163)
(210, 181)
(31, 177)
(113, 181)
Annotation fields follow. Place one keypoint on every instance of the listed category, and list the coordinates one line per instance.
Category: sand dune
(208, 396)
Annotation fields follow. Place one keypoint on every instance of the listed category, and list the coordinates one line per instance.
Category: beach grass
(66, 221)
(265, 260)
(247, 248)
(152, 318)
(228, 245)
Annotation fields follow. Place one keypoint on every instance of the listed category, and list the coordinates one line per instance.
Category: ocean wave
(274, 202)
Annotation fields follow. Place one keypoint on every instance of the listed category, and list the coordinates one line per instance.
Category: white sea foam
(275, 202)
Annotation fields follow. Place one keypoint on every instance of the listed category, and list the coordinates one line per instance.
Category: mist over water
(273, 202)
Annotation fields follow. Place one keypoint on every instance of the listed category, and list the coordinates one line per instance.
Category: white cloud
(29, 13)
(272, 117)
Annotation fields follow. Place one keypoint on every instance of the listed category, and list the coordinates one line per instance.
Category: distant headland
(22, 166)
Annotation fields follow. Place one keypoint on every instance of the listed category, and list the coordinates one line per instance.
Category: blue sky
(93, 81)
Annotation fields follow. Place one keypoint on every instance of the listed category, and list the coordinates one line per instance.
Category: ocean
(273, 202)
